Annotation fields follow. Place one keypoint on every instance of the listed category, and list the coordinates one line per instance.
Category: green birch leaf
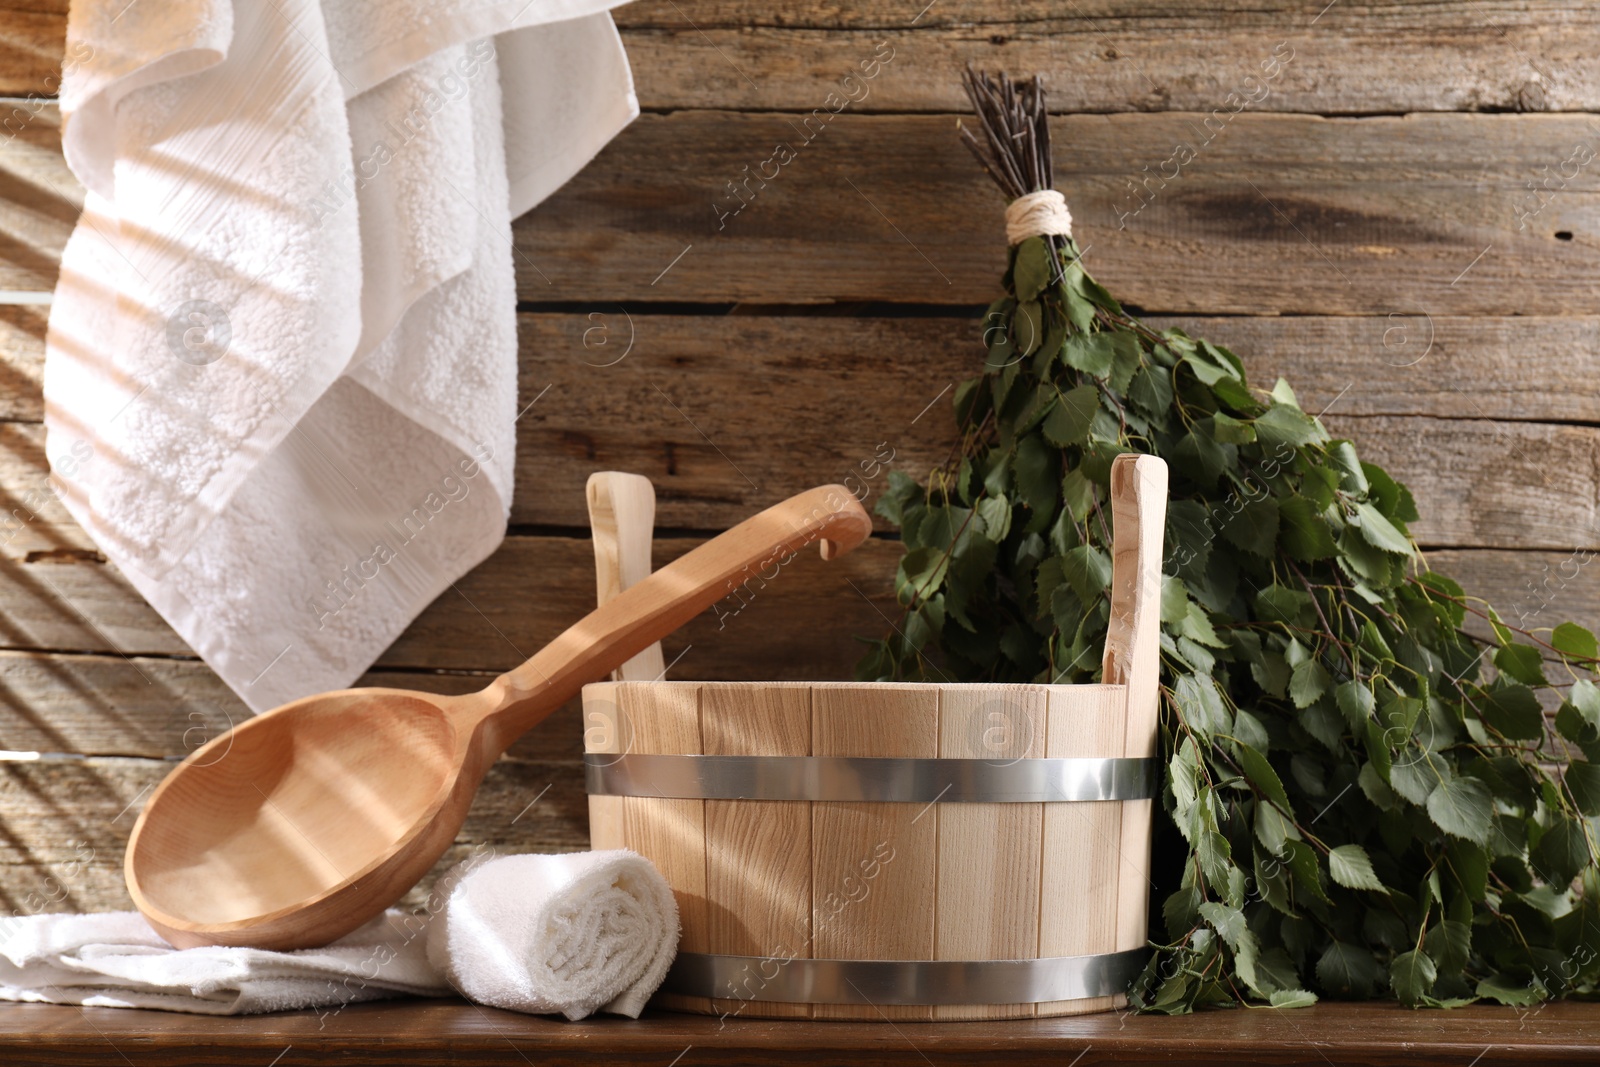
(1174, 599)
(1027, 327)
(1583, 782)
(1213, 852)
(1462, 807)
(1469, 869)
(1449, 943)
(1513, 710)
(1068, 422)
(1510, 992)
(995, 511)
(1412, 976)
(1035, 470)
(921, 573)
(1302, 531)
(1088, 352)
(1263, 777)
(1196, 626)
(1307, 872)
(1563, 851)
(1585, 696)
(1032, 268)
(1292, 998)
(1351, 868)
(1125, 358)
(1308, 682)
(1232, 431)
(1380, 532)
(1347, 971)
(1356, 702)
(1272, 829)
(1281, 425)
(1253, 526)
(1087, 571)
(1521, 662)
(1573, 640)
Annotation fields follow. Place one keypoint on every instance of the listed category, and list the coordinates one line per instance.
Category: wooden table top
(453, 1032)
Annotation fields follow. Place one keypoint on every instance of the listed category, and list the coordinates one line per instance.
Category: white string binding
(1038, 214)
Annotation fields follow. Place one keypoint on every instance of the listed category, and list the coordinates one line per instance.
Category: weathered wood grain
(1376, 61)
(503, 612)
(1153, 55)
(1277, 213)
(22, 329)
(39, 197)
(1516, 368)
(712, 408)
(1509, 368)
(451, 1033)
(33, 35)
(1428, 213)
(725, 414)
(64, 825)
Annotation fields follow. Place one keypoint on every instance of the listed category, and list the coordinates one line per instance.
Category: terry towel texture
(114, 960)
(570, 933)
(280, 376)
(573, 934)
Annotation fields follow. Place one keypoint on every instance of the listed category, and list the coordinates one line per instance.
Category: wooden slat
(989, 854)
(788, 402)
(432, 1033)
(874, 866)
(603, 731)
(33, 35)
(532, 589)
(758, 852)
(791, 402)
(1446, 366)
(1084, 866)
(64, 825)
(1277, 213)
(1510, 369)
(22, 360)
(1353, 61)
(1101, 56)
(665, 718)
(39, 197)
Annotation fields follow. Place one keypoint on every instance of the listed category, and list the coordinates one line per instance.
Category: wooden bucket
(901, 851)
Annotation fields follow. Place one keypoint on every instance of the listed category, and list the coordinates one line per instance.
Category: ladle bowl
(299, 825)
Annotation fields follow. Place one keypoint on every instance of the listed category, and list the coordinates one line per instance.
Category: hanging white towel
(282, 351)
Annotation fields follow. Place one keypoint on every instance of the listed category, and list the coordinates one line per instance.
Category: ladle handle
(758, 548)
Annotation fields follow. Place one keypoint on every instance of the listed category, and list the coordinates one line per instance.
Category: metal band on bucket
(801, 981)
(884, 780)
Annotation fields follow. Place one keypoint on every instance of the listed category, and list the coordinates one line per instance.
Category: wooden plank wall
(1395, 219)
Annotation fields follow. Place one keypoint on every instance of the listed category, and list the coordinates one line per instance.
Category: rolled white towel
(572, 933)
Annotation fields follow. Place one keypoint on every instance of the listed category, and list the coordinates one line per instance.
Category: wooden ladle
(296, 827)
